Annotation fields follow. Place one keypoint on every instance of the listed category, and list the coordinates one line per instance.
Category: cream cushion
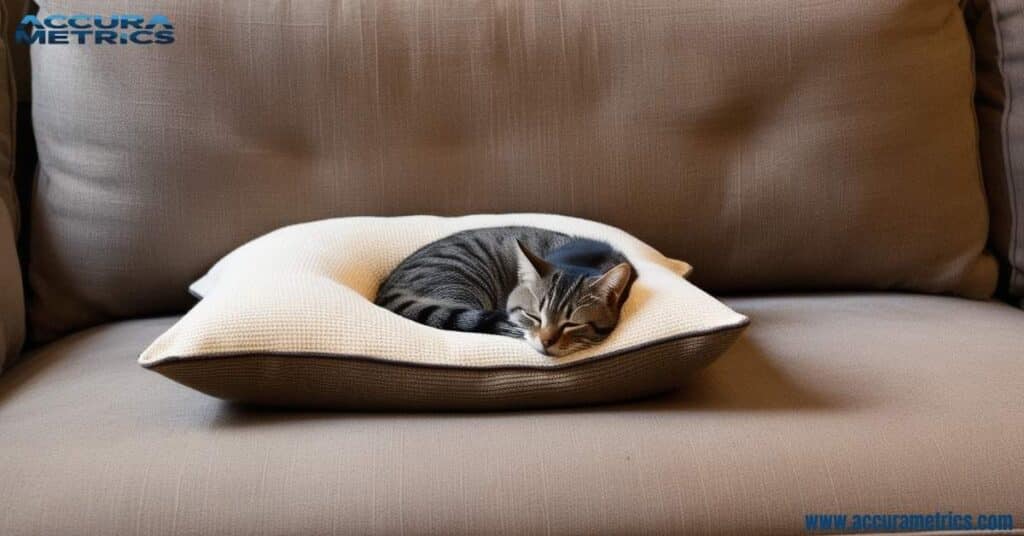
(288, 319)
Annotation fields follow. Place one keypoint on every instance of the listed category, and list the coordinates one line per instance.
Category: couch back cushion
(12, 304)
(998, 28)
(774, 145)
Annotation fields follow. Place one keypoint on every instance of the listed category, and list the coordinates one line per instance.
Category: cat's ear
(613, 284)
(531, 266)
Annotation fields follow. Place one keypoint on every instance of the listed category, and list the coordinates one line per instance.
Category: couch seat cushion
(843, 403)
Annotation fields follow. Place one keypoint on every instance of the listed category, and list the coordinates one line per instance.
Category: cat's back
(493, 243)
(484, 259)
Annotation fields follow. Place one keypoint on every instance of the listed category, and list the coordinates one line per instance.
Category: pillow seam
(718, 330)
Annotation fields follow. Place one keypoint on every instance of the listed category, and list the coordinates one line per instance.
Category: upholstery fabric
(773, 145)
(832, 403)
(12, 303)
(998, 29)
(19, 54)
(289, 319)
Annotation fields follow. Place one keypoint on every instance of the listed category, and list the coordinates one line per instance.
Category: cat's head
(562, 312)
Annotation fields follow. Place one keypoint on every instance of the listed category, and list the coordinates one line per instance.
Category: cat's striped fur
(559, 292)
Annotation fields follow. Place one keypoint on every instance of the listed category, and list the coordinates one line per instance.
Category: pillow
(776, 145)
(288, 320)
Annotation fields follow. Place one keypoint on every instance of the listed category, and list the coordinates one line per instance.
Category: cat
(558, 292)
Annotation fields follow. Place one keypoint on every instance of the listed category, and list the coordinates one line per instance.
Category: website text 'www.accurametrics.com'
(936, 521)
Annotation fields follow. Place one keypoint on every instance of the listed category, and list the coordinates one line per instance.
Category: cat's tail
(457, 318)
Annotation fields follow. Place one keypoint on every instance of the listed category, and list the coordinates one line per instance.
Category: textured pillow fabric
(289, 319)
(998, 29)
(776, 145)
(12, 306)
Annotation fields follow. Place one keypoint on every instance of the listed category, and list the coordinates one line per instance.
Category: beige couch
(818, 164)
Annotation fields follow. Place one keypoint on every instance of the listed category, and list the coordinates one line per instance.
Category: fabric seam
(976, 139)
(1015, 247)
(719, 330)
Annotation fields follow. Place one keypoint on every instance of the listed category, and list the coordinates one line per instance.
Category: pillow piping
(739, 325)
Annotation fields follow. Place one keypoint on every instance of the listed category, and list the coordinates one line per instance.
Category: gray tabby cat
(559, 293)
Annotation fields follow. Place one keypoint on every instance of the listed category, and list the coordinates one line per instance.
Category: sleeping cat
(558, 292)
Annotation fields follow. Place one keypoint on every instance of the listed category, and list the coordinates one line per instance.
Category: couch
(844, 174)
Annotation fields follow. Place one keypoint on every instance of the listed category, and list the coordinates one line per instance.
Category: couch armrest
(12, 305)
(12, 301)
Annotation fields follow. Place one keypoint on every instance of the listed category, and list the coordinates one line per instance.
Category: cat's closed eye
(529, 317)
(559, 293)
